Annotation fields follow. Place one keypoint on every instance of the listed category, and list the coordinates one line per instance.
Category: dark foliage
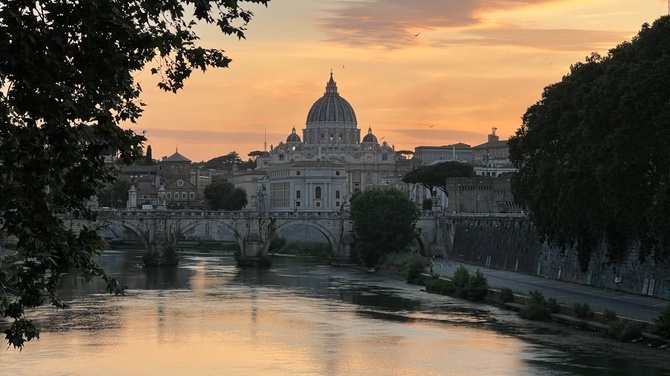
(384, 222)
(577, 177)
(67, 83)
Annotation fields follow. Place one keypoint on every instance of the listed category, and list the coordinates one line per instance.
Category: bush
(276, 244)
(609, 315)
(461, 277)
(535, 312)
(553, 306)
(439, 286)
(535, 298)
(477, 286)
(631, 330)
(506, 294)
(662, 323)
(414, 270)
(582, 310)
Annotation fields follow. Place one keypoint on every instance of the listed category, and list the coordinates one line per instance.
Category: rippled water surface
(300, 317)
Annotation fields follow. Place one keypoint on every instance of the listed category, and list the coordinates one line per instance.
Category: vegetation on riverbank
(281, 245)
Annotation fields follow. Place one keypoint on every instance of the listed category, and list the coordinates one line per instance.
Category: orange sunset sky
(474, 65)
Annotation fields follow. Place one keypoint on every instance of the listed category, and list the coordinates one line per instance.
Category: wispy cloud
(394, 24)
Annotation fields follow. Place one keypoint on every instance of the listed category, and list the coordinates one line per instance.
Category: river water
(300, 317)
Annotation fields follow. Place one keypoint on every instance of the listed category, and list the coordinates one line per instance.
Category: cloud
(543, 39)
(393, 24)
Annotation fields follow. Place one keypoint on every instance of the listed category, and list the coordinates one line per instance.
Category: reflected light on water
(216, 319)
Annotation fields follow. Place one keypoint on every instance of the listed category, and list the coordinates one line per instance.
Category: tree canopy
(384, 221)
(593, 156)
(436, 175)
(67, 84)
(225, 196)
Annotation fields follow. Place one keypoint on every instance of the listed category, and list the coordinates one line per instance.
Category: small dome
(293, 137)
(370, 138)
(331, 108)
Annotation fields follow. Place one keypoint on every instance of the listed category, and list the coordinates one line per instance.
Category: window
(318, 204)
(337, 173)
(385, 157)
(168, 195)
(317, 192)
(337, 194)
(337, 203)
(192, 195)
(281, 157)
(297, 203)
(297, 172)
(297, 194)
(184, 195)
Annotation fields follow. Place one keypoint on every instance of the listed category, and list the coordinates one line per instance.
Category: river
(300, 317)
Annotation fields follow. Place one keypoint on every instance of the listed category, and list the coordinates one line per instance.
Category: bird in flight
(417, 34)
(430, 126)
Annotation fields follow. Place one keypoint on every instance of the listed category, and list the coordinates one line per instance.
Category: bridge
(161, 230)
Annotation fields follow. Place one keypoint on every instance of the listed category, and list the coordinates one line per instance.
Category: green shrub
(439, 286)
(461, 277)
(662, 323)
(535, 298)
(624, 331)
(414, 270)
(553, 306)
(535, 312)
(477, 286)
(609, 315)
(506, 294)
(276, 244)
(582, 310)
(630, 331)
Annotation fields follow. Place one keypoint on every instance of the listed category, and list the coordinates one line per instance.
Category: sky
(418, 73)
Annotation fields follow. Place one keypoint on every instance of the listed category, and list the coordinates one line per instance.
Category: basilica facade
(322, 169)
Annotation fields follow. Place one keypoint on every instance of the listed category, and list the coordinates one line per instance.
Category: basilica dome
(331, 109)
(293, 137)
(370, 138)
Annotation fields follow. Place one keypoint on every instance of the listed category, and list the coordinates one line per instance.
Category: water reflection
(208, 317)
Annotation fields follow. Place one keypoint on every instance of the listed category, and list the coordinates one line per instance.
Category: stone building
(481, 194)
(321, 169)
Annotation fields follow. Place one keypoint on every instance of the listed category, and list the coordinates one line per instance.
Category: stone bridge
(161, 230)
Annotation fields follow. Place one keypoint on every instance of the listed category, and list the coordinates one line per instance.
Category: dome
(293, 137)
(332, 108)
(370, 138)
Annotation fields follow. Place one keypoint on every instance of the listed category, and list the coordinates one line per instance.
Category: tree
(436, 175)
(384, 221)
(225, 196)
(115, 195)
(224, 162)
(67, 83)
(593, 156)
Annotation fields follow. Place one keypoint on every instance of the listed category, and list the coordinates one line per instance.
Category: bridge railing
(193, 214)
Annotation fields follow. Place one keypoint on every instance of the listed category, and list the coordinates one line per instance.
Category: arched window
(317, 192)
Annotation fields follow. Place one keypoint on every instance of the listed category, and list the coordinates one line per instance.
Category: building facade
(321, 169)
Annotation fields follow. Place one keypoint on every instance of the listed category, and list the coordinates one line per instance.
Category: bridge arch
(281, 225)
(227, 224)
(141, 234)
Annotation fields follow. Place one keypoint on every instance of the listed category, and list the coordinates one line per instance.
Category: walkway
(631, 306)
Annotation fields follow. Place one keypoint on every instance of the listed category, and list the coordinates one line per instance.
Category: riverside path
(637, 307)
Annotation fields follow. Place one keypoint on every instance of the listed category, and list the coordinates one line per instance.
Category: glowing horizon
(423, 73)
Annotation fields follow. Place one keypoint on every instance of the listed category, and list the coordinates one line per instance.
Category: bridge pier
(160, 243)
(255, 243)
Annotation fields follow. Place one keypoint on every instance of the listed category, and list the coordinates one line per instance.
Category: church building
(320, 170)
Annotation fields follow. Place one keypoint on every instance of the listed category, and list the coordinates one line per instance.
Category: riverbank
(561, 334)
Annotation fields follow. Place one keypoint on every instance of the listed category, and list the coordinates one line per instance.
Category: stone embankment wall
(512, 244)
